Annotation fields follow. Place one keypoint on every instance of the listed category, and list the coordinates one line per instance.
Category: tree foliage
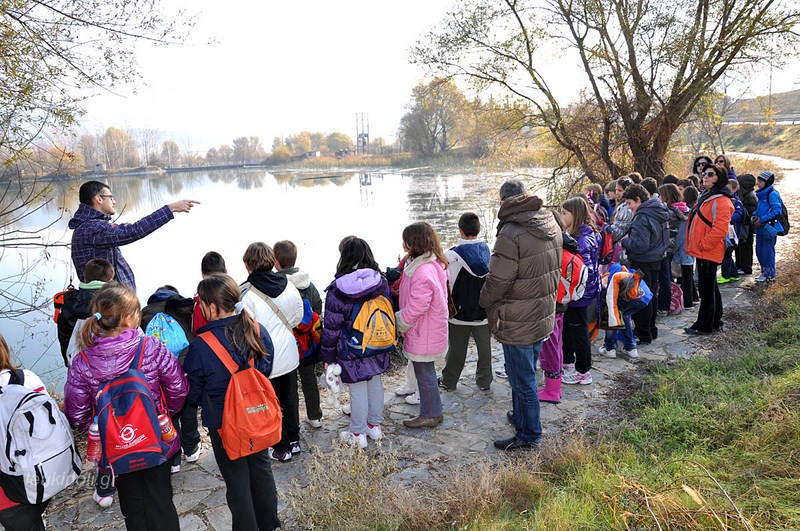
(646, 64)
(436, 117)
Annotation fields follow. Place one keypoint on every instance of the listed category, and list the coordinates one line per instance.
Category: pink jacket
(423, 311)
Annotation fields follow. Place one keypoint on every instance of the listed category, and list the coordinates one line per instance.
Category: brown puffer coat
(519, 295)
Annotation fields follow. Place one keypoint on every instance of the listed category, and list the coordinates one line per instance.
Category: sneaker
(632, 354)
(577, 378)
(295, 447)
(374, 432)
(174, 469)
(275, 455)
(191, 458)
(104, 501)
(734, 279)
(403, 391)
(413, 399)
(314, 423)
(723, 280)
(567, 368)
(662, 313)
(501, 373)
(359, 440)
(443, 386)
(761, 278)
(608, 353)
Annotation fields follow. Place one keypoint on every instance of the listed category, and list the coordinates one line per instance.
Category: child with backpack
(576, 343)
(768, 222)
(250, 486)
(153, 380)
(357, 287)
(275, 303)
(468, 267)
(211, 263)
(285, 259)
(423, 316)
(16, 515)
(75, 305)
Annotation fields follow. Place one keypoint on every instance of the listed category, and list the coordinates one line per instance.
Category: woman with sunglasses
(722, 161)
(705, 240)
(699, 164)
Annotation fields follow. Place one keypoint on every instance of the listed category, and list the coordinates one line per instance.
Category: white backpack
(38, 458)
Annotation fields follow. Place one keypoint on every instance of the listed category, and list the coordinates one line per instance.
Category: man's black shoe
(512, 443)
(510, 417)
(694, 331)
(443, 386)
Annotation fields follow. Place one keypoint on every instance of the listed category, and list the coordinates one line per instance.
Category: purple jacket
(109, 358)
(342, 294)
(589, 249)
(95, 237)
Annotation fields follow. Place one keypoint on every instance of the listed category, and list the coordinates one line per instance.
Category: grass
(707, 443)
(781, 140)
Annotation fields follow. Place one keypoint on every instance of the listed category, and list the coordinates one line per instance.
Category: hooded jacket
(76, 307)
(302, 281)
(424, 311)
(171, 303)
(208, 376)
(769, 209)
(621, 224)
(288, 300)
(747, 184)
(95, 237)
(589, 249)
(704, 241)
(524, 271)
(648, 239)
(112, 356)
(342, 294)
(469, 257)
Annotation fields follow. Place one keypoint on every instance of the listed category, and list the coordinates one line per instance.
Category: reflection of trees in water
(222, 176)
(250, 180)
(306, 180)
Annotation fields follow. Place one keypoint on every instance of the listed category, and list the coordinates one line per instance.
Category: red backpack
(308, 335)
(251, 418)
(574, 277)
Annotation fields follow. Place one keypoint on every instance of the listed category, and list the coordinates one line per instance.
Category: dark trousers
(145, 499)
(457, 354)
(250, 488)
(744, 254)
(575, 339)
(308, 382)
(709, 316)
(286, 390)
(23, 517)
(186, 424)
(728, 265)
(665, 283)
(687, 285)
(645, 319)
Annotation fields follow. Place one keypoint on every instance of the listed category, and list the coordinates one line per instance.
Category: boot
(551, 393)
(423, 422)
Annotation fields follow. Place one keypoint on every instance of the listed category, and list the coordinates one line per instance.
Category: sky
(267, 69)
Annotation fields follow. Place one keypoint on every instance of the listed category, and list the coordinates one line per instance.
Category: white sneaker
(608, 353)
(174, 469)
(103, 501)
(349, 438)
(374, 432)
(761, 278)
(403, 391)
(577, 378)
(567, 368)
(314, 423)
(632, 353)
(413, 399)
(196, 455)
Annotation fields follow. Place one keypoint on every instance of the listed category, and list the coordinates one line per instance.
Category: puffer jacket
(519, 294)
(112, 356)
(307, 289)
(288, 300)
(621, 224)
(769, 209)
(648, 239)
(423, 314)
(208, 376)
(589, 249)
(342, 294)
(704, 241)
(747, 184)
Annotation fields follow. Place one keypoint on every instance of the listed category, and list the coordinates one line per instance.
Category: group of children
(630, 232)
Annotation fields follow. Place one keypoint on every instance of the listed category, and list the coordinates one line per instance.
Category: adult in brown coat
(519, 297)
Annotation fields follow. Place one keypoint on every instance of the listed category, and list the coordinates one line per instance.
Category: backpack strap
(272, 305)
(16, 376)
(223, 355)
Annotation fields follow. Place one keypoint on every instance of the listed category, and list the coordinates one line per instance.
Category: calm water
(238, 207)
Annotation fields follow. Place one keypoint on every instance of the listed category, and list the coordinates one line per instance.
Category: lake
(237, 208)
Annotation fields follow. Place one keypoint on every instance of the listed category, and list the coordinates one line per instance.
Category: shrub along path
(473, 420)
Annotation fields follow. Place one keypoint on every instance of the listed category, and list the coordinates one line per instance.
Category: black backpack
(783, 218)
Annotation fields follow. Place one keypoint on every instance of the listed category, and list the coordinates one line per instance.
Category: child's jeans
(626, 334)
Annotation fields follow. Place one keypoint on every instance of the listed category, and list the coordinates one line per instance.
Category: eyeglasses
(709, 174)
(108, 196)
(719, 161)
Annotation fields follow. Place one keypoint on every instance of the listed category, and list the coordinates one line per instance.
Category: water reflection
(315, 210)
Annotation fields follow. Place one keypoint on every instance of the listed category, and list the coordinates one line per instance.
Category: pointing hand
(184, 205)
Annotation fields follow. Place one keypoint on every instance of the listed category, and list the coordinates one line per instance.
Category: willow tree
(646, 64)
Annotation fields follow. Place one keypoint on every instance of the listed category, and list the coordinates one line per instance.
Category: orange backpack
(251, 418)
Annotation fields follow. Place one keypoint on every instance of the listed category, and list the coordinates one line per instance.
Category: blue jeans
(765, 252)
(521, 369)
(625, 334)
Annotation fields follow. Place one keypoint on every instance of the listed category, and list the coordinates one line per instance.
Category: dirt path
(473, 418)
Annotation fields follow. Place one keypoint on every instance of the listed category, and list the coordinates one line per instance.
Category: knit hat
(767, 176)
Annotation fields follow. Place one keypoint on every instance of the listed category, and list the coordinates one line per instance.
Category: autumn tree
(435, 117)
(248, 150)
(170, 153)
(646, 64)
(119, 149)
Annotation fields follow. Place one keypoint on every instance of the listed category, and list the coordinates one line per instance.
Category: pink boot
(551, 393)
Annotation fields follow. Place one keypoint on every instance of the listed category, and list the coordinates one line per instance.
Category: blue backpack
(128, 420)
(166, 329)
